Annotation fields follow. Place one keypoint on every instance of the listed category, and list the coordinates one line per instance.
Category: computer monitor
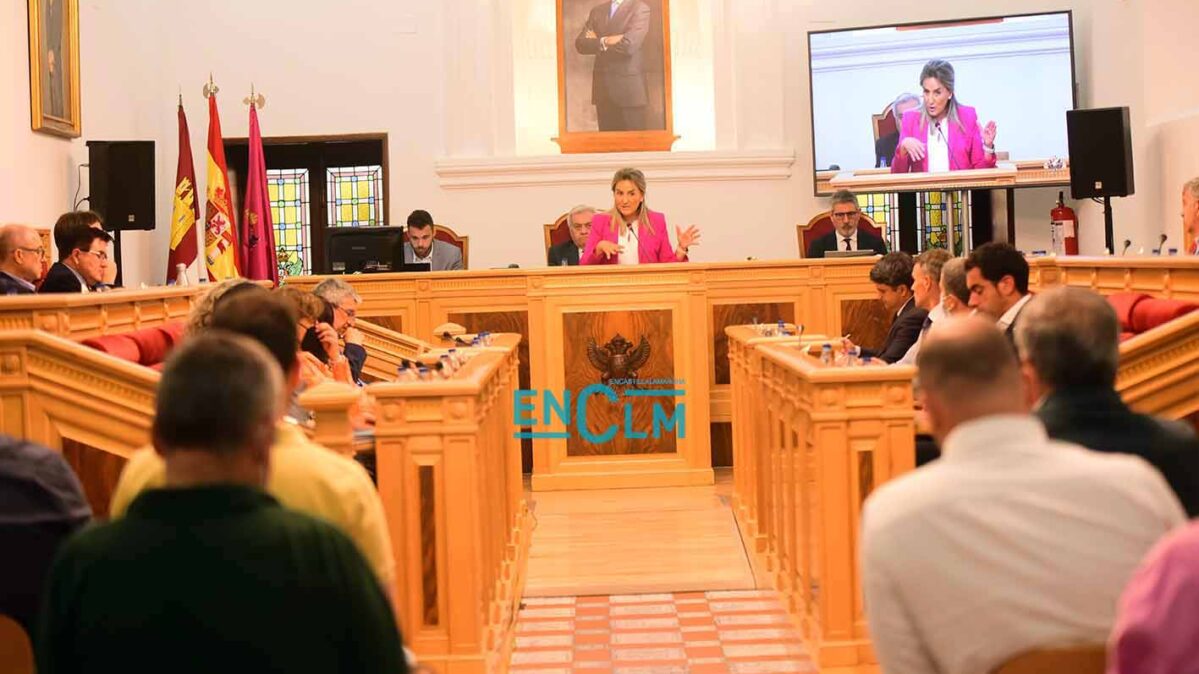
(362, 249)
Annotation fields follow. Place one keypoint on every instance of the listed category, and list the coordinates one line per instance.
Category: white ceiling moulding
(486, 172)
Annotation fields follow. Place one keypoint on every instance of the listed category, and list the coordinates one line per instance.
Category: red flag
(256, 245)
(220, 229)
(186, 212)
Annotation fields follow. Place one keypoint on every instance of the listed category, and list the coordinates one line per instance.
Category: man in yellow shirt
(303, 475)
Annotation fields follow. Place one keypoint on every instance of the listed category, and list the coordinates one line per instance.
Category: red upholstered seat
(1124, 303)
(823, 224)
(1152, 312)
(121, 345)
(148, 346)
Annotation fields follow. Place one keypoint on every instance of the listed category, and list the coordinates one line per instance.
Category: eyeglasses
(846, 216)
(101, 255)
(40, 250)
(350, 313)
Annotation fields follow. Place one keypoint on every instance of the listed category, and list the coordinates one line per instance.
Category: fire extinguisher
(1064, 226)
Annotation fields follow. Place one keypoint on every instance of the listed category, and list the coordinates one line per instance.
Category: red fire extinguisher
(1064, 227)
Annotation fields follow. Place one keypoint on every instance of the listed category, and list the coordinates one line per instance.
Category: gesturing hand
(687, 237)
(608, 249)
(613, 39)
(989, 134)
(913, 148)
(328, 337)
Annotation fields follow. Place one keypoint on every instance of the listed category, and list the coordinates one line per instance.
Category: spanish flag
(186, 211)
(220, 229)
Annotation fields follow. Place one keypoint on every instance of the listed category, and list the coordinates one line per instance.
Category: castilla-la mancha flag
(186, 212)
(256, 244)
(220, 229)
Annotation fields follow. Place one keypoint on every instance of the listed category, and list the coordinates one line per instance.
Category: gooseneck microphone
(1127, 243)
(1161, 244)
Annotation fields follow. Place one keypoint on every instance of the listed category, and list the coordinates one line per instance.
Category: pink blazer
(965, 147)
(653, 243)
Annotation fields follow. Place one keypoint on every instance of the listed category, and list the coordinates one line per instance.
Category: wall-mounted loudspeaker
(1100, 153)
(121, 182)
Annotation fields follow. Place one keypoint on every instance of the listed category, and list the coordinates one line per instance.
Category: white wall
(438, 77)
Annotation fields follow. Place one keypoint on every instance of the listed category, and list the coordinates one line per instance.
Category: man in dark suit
(614, 32)
(892, 278)
(21, 255)
(997, 275)
(567, 253)
(846, 235)
(82, 261)
(1068, 342)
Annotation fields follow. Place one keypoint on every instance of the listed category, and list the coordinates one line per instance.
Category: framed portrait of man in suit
(54, 67)
(614, 92)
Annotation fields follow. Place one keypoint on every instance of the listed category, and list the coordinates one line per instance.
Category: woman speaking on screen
(630, 233)
(942, 135)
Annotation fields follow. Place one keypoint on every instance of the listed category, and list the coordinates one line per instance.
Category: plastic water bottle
(853, 355)
(180, 274)
(423, 373)
(782, 328)
(447, 366)
(826, 354)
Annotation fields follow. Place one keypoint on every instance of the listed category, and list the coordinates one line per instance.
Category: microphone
(1127, 243)
(1161, 242)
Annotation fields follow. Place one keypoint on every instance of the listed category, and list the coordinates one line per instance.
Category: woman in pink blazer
(630, 233)
(943, 128)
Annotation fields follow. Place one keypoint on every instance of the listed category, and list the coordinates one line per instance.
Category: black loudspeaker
(1100, 153)
(121, 182)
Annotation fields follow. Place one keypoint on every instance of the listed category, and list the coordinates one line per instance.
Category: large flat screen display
(941, 97)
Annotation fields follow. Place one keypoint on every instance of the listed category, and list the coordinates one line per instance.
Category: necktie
(928, 323)
(615, 6)
(847, 245)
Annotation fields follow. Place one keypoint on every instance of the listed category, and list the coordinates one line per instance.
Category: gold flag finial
(211, 88)
(257, 101)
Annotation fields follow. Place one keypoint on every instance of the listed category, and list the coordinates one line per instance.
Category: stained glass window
(289, 194)
(883, 209)
(355, 196)
(944, 220)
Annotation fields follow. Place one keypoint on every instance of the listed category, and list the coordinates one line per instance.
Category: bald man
(1011, 541)
(21, 254)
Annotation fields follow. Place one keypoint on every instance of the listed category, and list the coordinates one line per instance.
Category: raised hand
(608, 249)
(913, 148)
(687, 237)
(329, 340)
(989, 134)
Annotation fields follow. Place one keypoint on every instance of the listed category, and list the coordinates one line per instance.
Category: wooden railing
(79, 316)
(449, 474)
(811, 443)
(386, 349)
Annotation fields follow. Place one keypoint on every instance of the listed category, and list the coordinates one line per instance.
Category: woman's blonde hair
(638, 179)
(307, 305)
(201, 313)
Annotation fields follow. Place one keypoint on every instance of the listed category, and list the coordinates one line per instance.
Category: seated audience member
(320, 353)
(1190, 212)
(997, 276)
(568, 252)
(211, 573)
(1157, 631)
(892, 278)
(845, 235)
(421, 246)
(630, 233)
(884, 147)
(210, 293)
(1011, 541)
(303, 474)
(21, 255)
(1068, 341)
(41, 503)
(926, 293)
(92, 219)
(955, 294)
(82, 262)
(345, 302)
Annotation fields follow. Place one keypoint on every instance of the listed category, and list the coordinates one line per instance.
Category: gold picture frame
(54, 67)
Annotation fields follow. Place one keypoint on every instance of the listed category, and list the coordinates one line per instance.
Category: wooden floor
(630, 541)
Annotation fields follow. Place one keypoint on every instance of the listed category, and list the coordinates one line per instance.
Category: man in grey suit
(614, 32)
(422, 247)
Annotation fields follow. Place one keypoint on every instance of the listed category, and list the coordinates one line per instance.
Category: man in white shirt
(846, 235)
(568, 252)
(1011, 541)
(926, 291)
(997, 276)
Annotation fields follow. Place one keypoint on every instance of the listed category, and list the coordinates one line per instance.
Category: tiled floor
(729, 632)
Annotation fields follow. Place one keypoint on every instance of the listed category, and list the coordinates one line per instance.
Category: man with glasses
(845, 235)
(21, 254)
(345, 300)
(81, 262)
